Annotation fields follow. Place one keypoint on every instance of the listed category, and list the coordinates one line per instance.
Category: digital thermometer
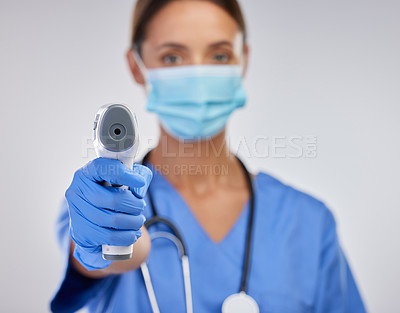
(116, 137)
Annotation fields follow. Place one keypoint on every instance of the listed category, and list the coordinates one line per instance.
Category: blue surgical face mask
(194, 102)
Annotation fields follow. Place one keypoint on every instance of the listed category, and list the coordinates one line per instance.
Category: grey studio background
(325, 70)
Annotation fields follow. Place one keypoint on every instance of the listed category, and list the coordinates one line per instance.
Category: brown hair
(146, 9)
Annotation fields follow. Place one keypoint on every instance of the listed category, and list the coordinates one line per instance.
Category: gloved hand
(105, 215)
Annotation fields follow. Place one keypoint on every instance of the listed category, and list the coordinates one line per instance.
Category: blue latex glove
(105, 215)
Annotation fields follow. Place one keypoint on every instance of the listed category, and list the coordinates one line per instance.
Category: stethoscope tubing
(182, 248)
(185, 269)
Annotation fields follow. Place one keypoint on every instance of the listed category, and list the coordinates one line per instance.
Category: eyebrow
(183, 47)
(221, 43)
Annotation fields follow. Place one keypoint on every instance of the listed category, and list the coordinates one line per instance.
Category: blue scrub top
(297, 264)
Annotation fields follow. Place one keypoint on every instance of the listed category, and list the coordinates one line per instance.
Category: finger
(87, 234)
(112, 171)
(147, 175)
(114, 220)
(105, 217)
(116, 199)
(125, 201)
(90, 258)
(118, 220)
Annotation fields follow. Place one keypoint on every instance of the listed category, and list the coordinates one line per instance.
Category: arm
(94, 215)
(104, 215)
(336, 289)
(80, 285)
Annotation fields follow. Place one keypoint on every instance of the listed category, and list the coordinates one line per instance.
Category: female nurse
(224, 239)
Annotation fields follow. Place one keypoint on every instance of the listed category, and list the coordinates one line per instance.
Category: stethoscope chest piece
(240, 303)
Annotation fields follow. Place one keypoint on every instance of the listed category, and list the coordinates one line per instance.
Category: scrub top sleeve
(62, 230)
(336, 288)
(75, 289)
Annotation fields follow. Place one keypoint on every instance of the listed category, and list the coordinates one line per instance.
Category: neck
(206, 162)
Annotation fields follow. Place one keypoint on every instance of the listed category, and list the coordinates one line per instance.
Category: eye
(221, 58)
(172, 59)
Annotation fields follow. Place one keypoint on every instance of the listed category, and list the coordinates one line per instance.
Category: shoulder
(292, 219)
(283, 201)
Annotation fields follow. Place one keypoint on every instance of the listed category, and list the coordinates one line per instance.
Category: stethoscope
(236, 303)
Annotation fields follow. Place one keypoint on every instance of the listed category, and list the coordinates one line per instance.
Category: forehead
(191, 21)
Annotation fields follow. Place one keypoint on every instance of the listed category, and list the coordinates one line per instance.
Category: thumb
(147, 175)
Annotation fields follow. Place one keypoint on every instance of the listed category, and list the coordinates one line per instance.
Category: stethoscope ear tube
(188, 287)
(185, 266)
(149, 287)
(158, 219)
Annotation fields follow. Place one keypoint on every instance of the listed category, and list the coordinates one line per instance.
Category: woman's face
(190, 33)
